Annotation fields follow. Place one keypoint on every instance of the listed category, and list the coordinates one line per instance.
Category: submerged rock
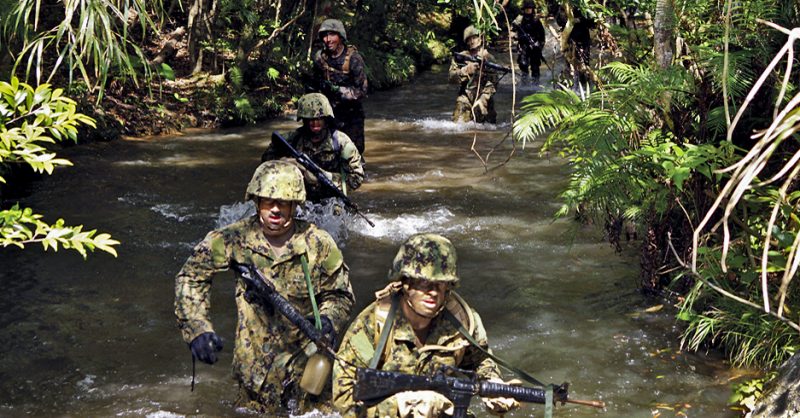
(782, 396)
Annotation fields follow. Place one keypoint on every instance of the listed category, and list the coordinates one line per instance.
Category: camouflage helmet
(332, 25)
(470, 31)
(313, 106)
(528, 5)
(280, 180)
(427, 257)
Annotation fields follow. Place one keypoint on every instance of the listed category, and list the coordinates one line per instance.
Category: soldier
(529, 32)
(302, 262)
(420, 338)
(339, 75)
(472, 94)
(330, 149)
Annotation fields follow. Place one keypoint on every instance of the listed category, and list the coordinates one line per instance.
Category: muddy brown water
(98, 337)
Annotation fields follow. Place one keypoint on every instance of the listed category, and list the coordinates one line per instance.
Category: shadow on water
(98, 337)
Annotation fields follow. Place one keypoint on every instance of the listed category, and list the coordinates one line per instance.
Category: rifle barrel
(311, 166)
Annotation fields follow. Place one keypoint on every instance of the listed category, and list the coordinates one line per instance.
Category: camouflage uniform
(469, 91)
(269, 353)
(421, 257)
(347, 72)
(335, 154)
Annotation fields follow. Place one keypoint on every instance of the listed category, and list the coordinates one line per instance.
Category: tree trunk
(664, 33)
(202, 14)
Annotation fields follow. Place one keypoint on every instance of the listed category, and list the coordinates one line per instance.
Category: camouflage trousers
(484, 109)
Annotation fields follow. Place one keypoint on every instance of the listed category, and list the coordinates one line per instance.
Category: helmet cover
(279, 180)
(425, 257)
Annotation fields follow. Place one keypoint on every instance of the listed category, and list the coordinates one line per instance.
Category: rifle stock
(280, 143)
(463, 58)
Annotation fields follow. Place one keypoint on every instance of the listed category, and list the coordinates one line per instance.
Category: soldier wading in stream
(477, 85)
(339, 75)
(331, 149)
(300, 260)
(421, 338)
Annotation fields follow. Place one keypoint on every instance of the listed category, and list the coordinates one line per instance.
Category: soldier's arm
(359, 78)
(475, 359)
(457, 76)
(354, 168)
(193, 286)
(334, 293)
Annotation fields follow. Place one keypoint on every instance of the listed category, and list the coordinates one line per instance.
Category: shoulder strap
(348, 54)
(387, 329)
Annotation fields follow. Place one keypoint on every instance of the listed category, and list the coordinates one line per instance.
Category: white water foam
(400, 227)
(229, 214)
(448, 126)
(171, 211)
(408, 178)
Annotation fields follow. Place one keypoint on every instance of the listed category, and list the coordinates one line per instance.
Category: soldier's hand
(205, 347)
(470, 68)
(423, 404)
(500, 406)
(328, 331)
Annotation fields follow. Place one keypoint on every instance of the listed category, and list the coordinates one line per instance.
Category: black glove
(205, 346)
(328, 331)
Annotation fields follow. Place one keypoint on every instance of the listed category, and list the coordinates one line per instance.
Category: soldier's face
(528, 10)
(425, 297)
(474, 42)
(316, 126)
(276, 216)
(332, 41)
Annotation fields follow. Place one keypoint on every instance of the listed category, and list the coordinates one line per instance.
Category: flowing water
(98, 337)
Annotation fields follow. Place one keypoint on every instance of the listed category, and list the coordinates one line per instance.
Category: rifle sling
(304, 263)
(387, 329)
(548, 407)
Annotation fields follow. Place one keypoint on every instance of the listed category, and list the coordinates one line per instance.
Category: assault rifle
(464, 58)
(280, 143)
(528, 38)
(271, 299)
(373, 386)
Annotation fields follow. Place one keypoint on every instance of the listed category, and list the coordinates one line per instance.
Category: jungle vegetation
(687, 129)
(690, 133)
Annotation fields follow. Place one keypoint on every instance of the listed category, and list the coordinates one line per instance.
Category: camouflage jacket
(445, 346)
(268, 349)
(337, 158)
(469, 83)
(345, 71)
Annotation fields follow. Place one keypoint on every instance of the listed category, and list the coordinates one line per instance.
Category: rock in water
(782, 396)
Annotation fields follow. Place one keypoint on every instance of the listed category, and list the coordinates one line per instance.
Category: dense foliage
(30, 119)
(226, 61)
(651, 144)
